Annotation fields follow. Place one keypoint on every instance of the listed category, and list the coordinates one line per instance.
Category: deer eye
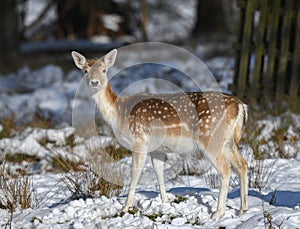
(104, 70)
(85, 72)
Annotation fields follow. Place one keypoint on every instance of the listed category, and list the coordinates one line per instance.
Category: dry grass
(269, 139)
(16, 192)
(99, 175)
(66, 165)
(40, 122)
(260, 174)
(20, 157)
(88, 184)
(117, 152)
(268, 221)
(8, 127)
(212, 179)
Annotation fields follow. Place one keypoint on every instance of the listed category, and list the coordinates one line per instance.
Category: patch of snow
(180, 16)
(111, 21)
(281, 199)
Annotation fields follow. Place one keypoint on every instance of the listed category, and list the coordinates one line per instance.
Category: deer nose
(94, 82)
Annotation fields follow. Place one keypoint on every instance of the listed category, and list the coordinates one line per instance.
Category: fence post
(245, 48)
(294, 101)
(284, 54)
(274, 42)
(259, 53)
(268, 79)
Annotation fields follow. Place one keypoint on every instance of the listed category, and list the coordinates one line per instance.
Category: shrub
(16, 191)
(100, 175)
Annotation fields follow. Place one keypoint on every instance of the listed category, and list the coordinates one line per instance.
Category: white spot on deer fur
(165, 108)
(207, 112)
(159, 112)
(164, 116)
(144, 110)
(213, 119)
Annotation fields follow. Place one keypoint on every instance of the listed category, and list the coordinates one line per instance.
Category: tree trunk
(210, 18)
(9, 36)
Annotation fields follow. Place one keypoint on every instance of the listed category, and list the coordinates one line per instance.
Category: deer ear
(79, 60)
(110, 58)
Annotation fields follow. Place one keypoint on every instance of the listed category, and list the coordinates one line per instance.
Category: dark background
(84, 20)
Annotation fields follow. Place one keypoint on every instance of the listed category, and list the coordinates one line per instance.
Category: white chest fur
(107, 109)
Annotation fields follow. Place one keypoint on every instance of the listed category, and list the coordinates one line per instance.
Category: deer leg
(240, 165)
(138, 162)
(223, 166)
(158, 160)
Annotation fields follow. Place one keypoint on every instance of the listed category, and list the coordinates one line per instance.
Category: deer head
(95, 70)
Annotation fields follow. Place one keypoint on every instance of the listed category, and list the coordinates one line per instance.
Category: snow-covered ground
(49, 94)
(191, 211)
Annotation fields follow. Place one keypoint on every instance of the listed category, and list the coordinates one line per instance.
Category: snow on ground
(49, 93)
(191, 211)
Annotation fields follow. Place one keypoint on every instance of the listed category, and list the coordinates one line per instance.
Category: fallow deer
(183, 123)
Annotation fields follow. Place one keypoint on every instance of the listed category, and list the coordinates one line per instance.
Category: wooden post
(284, 54)
(238, 45)
(245, 49)
(274, 42)
(272, 34)
(259, 53)
(294, 100)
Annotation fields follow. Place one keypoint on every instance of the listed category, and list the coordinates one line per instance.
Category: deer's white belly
(179, 145)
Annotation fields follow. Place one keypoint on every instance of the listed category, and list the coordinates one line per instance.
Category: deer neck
(105, 100)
